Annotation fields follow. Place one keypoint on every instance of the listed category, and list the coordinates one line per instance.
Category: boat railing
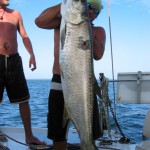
(133, 88)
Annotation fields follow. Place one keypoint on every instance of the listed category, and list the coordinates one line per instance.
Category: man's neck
(2, 8)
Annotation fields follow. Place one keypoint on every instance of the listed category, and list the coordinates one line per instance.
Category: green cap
(98, 3)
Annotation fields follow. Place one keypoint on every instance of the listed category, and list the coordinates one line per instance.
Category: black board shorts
(12, 78)
(56, 131)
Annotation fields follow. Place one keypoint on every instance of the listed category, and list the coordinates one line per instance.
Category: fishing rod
(108, 6)
(124, 139)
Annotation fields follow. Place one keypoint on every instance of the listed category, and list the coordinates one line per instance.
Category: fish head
(72, 11)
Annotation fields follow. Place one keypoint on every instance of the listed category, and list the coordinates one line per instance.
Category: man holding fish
(51, 19)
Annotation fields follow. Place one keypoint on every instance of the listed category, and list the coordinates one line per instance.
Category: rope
(107, 101)
(14, 139)
(70, 146)
(31, 146)
(89, 28)
(90, 37)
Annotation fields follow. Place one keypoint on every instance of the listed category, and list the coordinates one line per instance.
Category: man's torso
(8, 32)
(56, 67)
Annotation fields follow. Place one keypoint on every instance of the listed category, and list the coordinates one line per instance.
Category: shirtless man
(11, 71)
(50, 19)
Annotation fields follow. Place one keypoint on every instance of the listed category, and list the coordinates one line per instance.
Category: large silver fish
(76, 63)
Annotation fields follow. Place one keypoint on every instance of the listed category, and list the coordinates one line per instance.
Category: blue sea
(130, 116)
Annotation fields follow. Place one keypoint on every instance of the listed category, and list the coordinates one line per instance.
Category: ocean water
(129, 116)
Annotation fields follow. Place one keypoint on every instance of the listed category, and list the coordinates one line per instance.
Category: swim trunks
(12, 78)
(56, 131)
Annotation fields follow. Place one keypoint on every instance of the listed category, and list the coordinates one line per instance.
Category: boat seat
(133, 87)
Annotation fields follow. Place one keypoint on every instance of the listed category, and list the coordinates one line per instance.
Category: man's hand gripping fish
(76, 64)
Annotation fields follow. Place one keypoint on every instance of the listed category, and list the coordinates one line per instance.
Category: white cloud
(137, 4)
(146, 4)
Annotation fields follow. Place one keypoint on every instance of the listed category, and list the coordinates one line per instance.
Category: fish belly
(77, 81)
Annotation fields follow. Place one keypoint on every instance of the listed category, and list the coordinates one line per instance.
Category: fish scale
(76, 65)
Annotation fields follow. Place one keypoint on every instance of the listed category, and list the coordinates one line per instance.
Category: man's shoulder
(12, 11)
(99, 29)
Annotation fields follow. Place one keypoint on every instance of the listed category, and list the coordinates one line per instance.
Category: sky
(130, 31)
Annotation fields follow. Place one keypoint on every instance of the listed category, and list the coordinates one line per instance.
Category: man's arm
(49, 18)
(26, 41)
(99, 42)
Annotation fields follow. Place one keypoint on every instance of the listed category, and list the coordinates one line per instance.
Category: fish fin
(65, 117)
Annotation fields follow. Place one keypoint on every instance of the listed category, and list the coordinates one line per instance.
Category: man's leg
(60, 145)
(26, 119)
(56, 131)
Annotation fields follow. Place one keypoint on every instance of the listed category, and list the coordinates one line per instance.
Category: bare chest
(9, 23)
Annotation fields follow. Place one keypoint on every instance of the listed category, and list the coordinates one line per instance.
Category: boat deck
(18, 135)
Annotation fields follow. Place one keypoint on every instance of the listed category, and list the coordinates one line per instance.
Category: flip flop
(35, 146)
